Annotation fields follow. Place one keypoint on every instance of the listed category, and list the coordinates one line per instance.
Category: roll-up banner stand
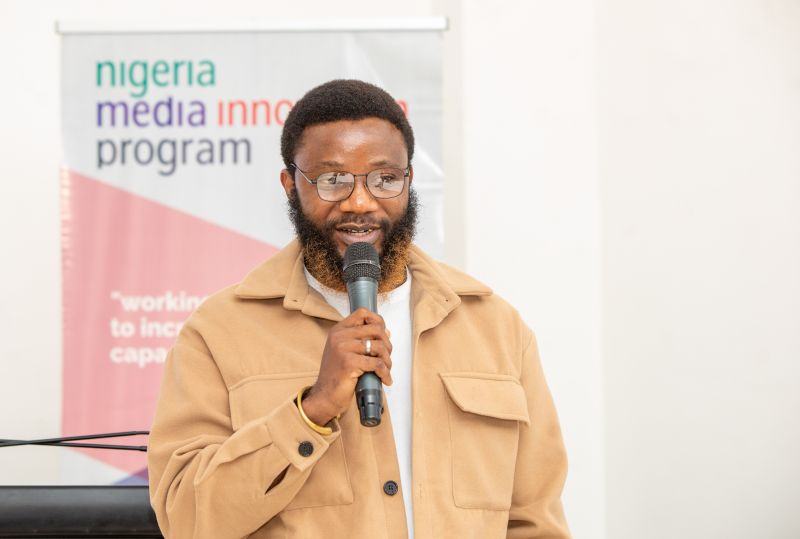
(170, 185)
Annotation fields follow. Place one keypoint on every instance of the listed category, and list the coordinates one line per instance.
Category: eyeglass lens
(381, 183)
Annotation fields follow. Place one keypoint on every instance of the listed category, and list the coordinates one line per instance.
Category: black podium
(70, 512)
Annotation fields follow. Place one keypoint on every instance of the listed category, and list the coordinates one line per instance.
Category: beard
(322, 258)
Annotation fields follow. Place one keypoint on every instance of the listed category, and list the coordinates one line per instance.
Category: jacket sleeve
(541, 468)
(207, 481)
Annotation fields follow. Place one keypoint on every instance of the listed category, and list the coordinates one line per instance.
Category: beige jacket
(225, 458)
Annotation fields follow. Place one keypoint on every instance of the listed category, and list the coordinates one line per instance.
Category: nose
(360, 200)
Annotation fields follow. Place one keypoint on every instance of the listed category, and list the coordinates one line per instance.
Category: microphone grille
(361, 260)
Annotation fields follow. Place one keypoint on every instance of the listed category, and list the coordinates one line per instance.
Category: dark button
(390, 488)
(305, 449)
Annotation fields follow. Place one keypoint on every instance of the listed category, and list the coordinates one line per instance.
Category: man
(257, 433)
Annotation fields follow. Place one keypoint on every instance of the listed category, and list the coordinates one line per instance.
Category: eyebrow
(339, 165)
(335, 164)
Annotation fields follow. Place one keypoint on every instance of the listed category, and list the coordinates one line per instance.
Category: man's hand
(343, 361)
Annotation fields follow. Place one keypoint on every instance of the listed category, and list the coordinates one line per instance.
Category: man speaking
(258, 432)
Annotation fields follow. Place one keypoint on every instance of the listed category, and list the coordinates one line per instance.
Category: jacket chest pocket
(484, 412)
(255, 397)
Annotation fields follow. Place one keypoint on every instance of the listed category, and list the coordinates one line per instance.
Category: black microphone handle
(363, 292)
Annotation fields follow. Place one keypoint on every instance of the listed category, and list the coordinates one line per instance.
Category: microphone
(362, 271)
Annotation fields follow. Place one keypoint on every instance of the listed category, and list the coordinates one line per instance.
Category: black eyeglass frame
(314, 182)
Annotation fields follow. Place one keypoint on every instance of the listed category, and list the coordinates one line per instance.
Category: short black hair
(342, 99)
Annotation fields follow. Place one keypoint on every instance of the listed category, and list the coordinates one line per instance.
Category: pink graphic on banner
(133, 272)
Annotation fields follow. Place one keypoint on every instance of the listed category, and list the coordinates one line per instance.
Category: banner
(170, 191)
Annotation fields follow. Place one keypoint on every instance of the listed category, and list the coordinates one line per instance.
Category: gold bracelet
(325, 431)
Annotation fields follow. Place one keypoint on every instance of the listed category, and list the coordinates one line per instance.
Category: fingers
(383, 371)
(373, 332)
(363, 316)
(362, 325)
(350, 337)
(377, 349)
(376, 364)
(344, 360)
(378, 360)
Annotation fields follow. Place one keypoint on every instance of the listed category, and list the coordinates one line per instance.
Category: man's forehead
(343, 129)
(333, 143)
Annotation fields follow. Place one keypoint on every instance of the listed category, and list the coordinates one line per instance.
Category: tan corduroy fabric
(225, 450)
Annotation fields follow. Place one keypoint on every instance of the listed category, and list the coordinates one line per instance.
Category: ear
(287, 181)
(410, 174)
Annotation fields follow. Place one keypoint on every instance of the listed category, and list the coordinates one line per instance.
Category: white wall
(532, 205)
(700, 162)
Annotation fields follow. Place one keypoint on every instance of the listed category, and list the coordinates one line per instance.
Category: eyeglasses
(337, 186)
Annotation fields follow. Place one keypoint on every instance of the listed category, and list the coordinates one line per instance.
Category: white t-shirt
(395, 308)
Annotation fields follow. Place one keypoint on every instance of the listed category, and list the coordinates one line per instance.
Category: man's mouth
(357, 229)
(349, 233)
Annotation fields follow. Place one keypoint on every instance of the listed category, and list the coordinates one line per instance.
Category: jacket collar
(436, 288)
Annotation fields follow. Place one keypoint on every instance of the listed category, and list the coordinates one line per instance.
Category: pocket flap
(493, 395)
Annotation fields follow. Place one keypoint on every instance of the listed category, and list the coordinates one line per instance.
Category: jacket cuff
(288, 432)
